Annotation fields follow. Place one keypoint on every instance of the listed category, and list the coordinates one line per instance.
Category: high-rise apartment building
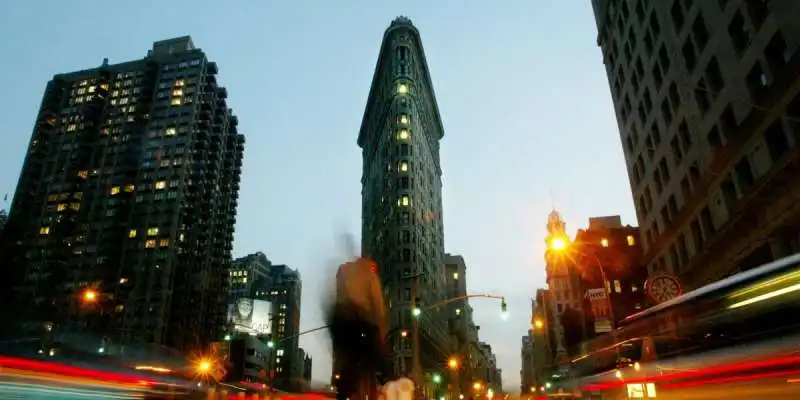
(706, 98)
(402, 194)
(129, 190)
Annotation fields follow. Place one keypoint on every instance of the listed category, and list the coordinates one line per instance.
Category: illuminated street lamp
(89, 296)
(558, 244)
(404, 333)
(477, 386)
(452, 363)
(203, 366)
(538, 323)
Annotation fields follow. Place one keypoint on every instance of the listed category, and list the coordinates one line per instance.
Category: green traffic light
(270, 344)
(437, 378)
(416, 312)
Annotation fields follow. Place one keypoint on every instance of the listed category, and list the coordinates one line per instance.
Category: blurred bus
(735, 338)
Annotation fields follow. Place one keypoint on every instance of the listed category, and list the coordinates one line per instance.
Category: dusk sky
(522, 93)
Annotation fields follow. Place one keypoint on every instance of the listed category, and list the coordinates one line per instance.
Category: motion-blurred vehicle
(734, 339)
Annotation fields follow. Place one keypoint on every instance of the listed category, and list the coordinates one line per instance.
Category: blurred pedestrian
(357, 323)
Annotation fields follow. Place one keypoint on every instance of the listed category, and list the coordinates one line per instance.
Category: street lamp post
(560, 245)
(453, 365)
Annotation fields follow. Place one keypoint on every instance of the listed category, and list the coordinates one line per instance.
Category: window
(61, 207)
(129, 188)
(604, 242)
(631, 240)
(114, 190)
(403, 167)
(45, 230)
(83, 174)
(179, 83)
(161, 184)
(404, 201)
(132, 233)
(403, 119)
(171, 131)
(150, 244)
(455, 275)
(402, 88)
(163, 242)
(75, 206)
(152, 231)
(403, 134)
(176, 101)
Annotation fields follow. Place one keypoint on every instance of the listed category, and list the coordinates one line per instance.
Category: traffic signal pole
(416, 372)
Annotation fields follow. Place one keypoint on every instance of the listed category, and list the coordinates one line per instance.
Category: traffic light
(436, 378)
(503, 308)
(417, 310)
(270, 344)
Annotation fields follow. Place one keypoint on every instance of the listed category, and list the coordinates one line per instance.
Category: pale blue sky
(521, 89)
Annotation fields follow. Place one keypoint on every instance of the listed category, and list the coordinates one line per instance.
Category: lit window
(61, 207)
(404, 201)
(152, 231)
(604, 242)
(455, 275)
(75, 206)
(45, 230)
(631, 240)
(132, 233)
(161, 184)
(150, 244)
(177, 92)
(171, 131)
(403, 134)
(128, 188)
(163, 242)
(179, 83)
(104, 86)
(403, 119)
(83, 174)
(78, 195)
(114, 190)
(403, 167)
(402, 88)
(176, 101)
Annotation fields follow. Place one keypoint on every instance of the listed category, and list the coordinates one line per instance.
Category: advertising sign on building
(600, 309)
(250, 316)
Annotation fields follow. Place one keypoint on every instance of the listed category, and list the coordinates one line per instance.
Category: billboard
(250, 316)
